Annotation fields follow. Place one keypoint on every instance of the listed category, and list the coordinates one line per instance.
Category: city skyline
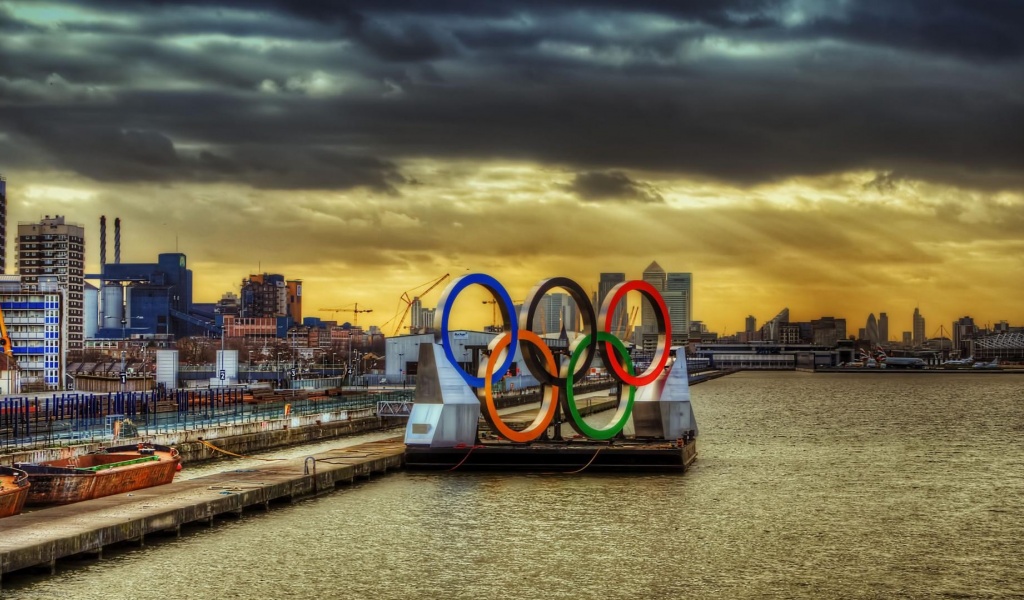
(787, 154)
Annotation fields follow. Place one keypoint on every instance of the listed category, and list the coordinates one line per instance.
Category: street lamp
(401, 368)
(124, 374)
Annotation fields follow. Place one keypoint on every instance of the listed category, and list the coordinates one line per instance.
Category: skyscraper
(554, 311)
(604, 285)
(772, 330)
(919, 338)
(678, 296)
(53, 247)
(655, 276)
(964, 332)
(269, 295)
(871, 330)
(883, 328)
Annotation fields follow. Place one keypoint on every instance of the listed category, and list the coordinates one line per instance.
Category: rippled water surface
(807, 486)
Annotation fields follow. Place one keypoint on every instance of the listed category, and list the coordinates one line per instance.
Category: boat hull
(90, 476)
(14, 486)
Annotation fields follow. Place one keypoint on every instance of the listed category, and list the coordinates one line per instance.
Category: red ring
(612, 300)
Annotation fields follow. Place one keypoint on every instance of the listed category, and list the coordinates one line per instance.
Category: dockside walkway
(41, 538)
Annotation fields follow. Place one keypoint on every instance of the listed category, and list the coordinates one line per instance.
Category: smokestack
(117, 241)
(103, 263)
(103, 242)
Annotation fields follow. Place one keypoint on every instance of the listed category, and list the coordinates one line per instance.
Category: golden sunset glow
(802, 163)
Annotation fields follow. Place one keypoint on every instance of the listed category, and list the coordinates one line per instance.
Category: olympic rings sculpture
(556, 381)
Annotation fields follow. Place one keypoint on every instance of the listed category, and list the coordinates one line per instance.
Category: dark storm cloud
(613, 186)
(306, 168)
(967, 27)
(744, 90)
(11, 24)
(108, 154)
(982, 30)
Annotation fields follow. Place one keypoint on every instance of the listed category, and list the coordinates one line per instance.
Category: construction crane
(408, 301)
(494, 311)
(353, 308)
(5, 339)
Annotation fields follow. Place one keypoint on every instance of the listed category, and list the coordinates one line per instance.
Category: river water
(807, 486)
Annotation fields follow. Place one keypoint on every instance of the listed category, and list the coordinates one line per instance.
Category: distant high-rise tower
(416, 322)
(604, 285)
(55, 248)
(883, 328)
(294, 299)
(871, 330)
(751, 325)
(554, 311)
(655, 276)
(3, 224)
(919, 338)
(264, 296)
(772, 330)
(678, 296)
(964, 332)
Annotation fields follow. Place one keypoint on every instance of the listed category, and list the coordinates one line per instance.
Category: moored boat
(14, 487)
(110, 471)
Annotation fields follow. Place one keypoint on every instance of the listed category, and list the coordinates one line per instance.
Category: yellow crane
(352, 308)
(408, 300)
(494, 311)
(5, 339)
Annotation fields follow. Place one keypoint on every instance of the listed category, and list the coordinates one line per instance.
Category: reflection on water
(811, 486)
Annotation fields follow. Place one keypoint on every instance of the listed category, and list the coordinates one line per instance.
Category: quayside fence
(63, 419)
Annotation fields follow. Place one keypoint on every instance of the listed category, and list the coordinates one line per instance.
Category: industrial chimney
(117, 241)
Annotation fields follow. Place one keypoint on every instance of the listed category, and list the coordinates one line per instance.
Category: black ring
(532, 357)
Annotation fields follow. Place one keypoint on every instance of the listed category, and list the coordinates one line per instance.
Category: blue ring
(500, 294)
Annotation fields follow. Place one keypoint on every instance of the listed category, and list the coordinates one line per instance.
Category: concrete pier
(41, 538)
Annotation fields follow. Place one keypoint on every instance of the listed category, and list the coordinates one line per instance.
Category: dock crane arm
(5, 339)
(408, 301)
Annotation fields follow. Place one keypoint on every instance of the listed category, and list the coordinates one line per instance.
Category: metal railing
(75, 418)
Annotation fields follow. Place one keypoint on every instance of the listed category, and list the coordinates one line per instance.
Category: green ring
(624, 410)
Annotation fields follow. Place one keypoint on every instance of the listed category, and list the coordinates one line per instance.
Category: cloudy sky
(836, 157)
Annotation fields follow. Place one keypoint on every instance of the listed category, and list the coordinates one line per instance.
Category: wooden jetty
(41, 538)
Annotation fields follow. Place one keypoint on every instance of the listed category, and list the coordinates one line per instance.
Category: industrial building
(402, 356)
(149, 300)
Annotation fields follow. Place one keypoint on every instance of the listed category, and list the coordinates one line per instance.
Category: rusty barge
(112, 471)
(14, 486)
